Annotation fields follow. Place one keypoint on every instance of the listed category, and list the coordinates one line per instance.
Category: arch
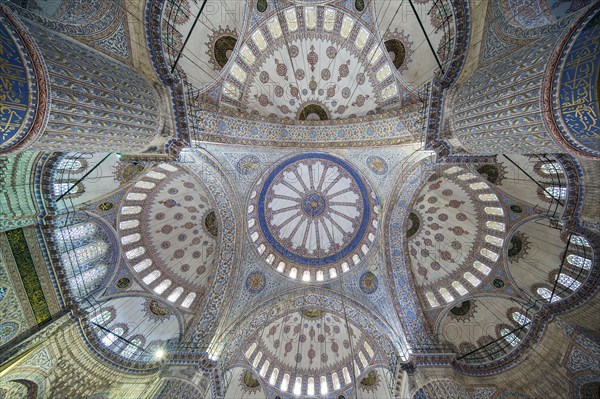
(85, 247)
(310, 298)
(34, 382)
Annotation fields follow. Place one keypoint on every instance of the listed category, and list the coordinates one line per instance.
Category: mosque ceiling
(305, 61)
(309, 255)
(173, 242)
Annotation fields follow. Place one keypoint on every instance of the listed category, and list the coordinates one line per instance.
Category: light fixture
(160, 354)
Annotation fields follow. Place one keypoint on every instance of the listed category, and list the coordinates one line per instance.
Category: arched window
(298, 386)
(85, 282)
(132, 348)
(472, 279)
(285, 382)
(568, 282)
(511, 338)
(578, 240)
(84, 254)
(324, 387)
(431, 299)
(103, 317)
(551, 168)
(520, 318)
(61, 188)
(546, 294)
(69, 164)
(579, 261)
(310, 387)
(556, 192)
(74, 232)
(446, 295)
(109, 338)
(459, 288)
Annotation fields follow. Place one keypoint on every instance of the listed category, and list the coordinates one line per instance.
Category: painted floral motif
(377, 164)
(255, 282)
(368, 283)
(8, 330)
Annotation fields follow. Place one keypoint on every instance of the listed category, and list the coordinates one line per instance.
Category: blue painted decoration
(14, 89)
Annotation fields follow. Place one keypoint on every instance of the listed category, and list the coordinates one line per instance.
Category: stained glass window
(110, 337)
(556, 192)
(546, 294)
(84, 254)
(103, 317)
(551, 168)
(132, 348)
(431, 299)
(472, 279)
(69, 164)
(577, 240)
(459, 288)
(579, 261)
(520, 318)
(568, 282)
(446, 295)
(85, 282)
(75, 232)
(61, 188)
(511, 338)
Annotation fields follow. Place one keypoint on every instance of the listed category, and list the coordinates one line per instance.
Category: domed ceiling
(310, 352)
(312, 63)
(455, 234)
(172, 244)
(312, 217)
(297, 60)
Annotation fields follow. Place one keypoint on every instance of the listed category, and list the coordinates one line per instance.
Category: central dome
(312, 214)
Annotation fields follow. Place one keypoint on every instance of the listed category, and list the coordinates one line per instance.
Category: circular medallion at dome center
(312, 211)
(314, 204)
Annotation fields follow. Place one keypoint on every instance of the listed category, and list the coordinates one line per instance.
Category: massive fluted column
(541, 98)
(60, 95)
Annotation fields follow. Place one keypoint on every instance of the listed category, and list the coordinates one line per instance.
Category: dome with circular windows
(312, 217)
(168, 225)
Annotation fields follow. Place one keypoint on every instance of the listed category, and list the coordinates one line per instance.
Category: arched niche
(133, 330)
(23, 384)
(455, 231)
(484, 328)
(244, 383)
(309, 319)
(82, 178)
(84, 248)
(550, 264)
(538, 180)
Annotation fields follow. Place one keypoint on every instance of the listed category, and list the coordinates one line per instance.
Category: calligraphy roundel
(23, 86)
(575, 97)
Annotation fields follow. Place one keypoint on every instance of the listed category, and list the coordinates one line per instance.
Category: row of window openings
(511, 337)
(574, 260)
(111, 338)
(148, 185)
(565, 281)
(274, 27)
(130, 349)
(457, 286)
(163, 285)
(310, 389)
